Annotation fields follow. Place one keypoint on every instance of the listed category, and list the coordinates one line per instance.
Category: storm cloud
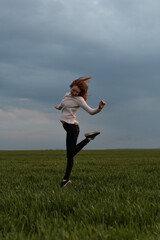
(46, 44)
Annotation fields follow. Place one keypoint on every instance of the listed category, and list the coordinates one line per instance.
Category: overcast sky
(46, 44)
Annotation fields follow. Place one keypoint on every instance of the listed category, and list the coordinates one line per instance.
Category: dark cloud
(45, 45)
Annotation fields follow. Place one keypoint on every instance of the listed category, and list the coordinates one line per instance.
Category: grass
(115, 195)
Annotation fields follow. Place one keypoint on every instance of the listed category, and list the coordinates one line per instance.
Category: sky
(46, 44)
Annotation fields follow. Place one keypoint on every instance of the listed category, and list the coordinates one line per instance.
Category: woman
(70, 104)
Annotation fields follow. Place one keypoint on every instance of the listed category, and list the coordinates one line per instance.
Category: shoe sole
(88, 134)
(67, 184)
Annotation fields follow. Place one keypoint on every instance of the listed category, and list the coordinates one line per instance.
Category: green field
(115, 195)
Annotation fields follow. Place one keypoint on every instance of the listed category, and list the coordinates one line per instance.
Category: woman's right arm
(58, 107)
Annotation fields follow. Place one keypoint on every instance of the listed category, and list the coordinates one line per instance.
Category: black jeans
(72, 147)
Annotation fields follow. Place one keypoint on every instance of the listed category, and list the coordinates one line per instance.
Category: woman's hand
(57, 106)
(102, 104)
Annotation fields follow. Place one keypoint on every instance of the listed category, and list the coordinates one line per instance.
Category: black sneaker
(65, 183)
(92, 135)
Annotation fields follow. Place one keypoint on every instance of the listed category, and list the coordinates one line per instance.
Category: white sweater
(70, 105)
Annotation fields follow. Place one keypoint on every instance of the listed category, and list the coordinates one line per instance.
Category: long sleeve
(70, 105)
(82, 103)
(59, 106)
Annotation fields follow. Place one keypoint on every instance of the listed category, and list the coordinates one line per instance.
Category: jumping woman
(69, 105)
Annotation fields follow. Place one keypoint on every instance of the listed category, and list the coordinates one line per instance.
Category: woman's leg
(72, 149)
(71, 140)
(81, 145)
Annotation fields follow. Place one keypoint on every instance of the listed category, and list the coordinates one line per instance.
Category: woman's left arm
(102, 104)
(86, 107)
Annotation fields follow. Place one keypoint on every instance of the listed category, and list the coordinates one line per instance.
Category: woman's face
(75, 90)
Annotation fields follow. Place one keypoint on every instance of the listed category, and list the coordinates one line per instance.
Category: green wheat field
(115, 195)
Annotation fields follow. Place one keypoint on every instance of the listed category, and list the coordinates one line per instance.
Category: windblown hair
(82, 84)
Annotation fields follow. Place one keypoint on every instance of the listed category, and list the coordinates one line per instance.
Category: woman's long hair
(82, 84)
